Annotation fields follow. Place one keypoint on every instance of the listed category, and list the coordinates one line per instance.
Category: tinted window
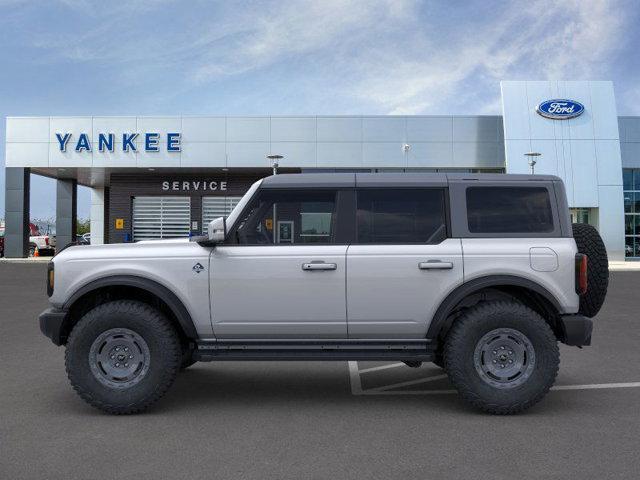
(509, 210)
(288, 217)
(401, 216)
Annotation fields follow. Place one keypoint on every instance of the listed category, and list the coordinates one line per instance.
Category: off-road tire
(165, 356)
(471, 327)
(590, 243)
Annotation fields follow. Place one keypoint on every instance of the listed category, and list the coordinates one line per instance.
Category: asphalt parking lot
(317, 420)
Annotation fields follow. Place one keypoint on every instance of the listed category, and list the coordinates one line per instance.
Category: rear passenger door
(402, 262)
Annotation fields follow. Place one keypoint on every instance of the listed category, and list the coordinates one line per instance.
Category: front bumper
(576, 330)
(51, 324)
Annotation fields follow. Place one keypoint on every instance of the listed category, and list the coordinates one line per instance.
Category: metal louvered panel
(214, 207)
(161, 217)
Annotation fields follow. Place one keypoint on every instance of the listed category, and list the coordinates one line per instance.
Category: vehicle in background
(45, 244)
(2, 241)
(84, 239)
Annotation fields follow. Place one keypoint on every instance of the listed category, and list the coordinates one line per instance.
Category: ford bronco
(481, 274)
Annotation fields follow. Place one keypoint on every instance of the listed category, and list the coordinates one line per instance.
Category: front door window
(288, 217)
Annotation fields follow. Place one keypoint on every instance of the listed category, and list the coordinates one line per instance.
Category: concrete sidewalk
(26, 260)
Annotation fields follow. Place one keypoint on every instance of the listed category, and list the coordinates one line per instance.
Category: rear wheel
(502, 357)
(122, 356)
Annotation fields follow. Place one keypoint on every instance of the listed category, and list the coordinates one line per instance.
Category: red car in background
(44, 243)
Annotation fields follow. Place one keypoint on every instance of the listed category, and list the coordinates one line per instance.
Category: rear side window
(509, 210)
(401, 216)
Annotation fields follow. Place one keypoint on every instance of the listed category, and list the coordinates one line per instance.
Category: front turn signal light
(50, 279)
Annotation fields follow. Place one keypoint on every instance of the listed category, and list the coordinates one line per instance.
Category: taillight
(581, 273)
(46, 240)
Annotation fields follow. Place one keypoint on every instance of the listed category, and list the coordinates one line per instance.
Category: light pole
(274, 222)
(274, 162)
(405, 152)
(531, 156)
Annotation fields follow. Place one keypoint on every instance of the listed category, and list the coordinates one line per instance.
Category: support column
(16, 233)
(66, 212)
(97, 216)
(106, 215)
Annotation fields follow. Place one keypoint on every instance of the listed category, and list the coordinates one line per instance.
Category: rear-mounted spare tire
(590, 243)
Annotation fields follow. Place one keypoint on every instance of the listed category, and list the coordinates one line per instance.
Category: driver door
(281, 273)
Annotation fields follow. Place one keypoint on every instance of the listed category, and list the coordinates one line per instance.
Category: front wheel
(502, 357)
(122, 356)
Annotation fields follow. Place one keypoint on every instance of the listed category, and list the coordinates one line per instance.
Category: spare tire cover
(590, 243)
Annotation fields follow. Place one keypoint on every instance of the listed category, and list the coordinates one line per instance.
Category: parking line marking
(373, 391)
(595, 386)
(381, 367)
(356, 384)
(354, 379)
(406, 384)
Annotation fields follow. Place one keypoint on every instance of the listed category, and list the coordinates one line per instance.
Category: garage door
(161, 217)
(214, 207)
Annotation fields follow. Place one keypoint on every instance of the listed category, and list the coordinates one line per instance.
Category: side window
(401, 216)
(509, 210)
(279, 217)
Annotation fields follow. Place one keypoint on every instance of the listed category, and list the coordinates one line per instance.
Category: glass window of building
(631, 182)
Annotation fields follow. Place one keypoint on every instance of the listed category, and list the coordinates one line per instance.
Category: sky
(160, 57)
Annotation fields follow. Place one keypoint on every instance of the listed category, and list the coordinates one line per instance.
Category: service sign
(560, 109)
(106, 142)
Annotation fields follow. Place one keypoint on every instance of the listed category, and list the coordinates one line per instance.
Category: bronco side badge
(198, 268)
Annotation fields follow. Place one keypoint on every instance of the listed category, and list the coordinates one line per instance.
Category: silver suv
(480, 274)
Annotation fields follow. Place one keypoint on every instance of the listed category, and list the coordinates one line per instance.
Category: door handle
(435, 265)
(319, 266)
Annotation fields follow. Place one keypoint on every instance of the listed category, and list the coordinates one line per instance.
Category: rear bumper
(51, 322)
(576, 330)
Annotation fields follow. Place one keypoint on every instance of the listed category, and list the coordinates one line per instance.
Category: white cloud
(540, 40)
(393, 56)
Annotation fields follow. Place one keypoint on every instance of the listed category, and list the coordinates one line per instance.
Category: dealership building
(160, 177)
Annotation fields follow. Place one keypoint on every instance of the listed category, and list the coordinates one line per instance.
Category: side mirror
(216, 233)
(217, 230)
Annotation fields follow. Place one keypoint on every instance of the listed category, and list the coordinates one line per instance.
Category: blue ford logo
(560, 109)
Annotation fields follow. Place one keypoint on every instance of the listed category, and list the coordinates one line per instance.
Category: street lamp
(274, 162)
(531, 156)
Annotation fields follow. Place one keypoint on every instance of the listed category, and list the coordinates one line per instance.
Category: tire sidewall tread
(590, 243)
(461, 342)
(153, 327)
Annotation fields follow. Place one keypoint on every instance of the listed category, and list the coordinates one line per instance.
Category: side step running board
(280, 350)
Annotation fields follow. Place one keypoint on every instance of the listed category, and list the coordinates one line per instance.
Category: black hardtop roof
(346, 180)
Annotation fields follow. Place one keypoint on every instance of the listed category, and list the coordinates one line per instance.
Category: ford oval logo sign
(560, 109)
